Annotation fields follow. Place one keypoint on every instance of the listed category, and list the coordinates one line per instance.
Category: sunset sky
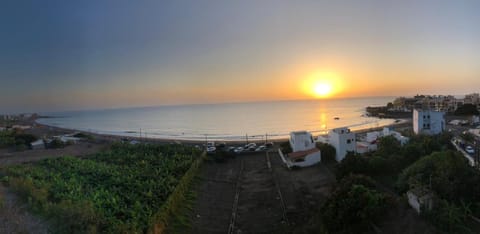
(67, 55)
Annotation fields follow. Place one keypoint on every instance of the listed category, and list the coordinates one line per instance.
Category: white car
(469, 150)
(211, 150)
(238, 150)
(261, 148)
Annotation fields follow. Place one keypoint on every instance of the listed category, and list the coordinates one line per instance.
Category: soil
(271, 199)
(14, 217)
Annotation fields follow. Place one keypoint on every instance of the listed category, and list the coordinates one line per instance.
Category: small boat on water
(336, 118)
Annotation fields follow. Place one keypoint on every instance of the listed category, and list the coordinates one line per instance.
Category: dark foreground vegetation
(371, 186)
(127, 189)
(16, 140)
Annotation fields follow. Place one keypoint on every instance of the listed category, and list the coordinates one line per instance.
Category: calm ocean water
(225, 121)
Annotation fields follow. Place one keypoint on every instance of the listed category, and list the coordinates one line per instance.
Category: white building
(389, 132)
(428, 122)
(301, 140)
(343, 140)
(305, 153)
(369, 142)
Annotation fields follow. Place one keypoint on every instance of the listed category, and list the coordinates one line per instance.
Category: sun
(322, 84)
(322, 89)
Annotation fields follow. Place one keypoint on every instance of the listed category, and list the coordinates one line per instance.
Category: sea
(227, 121)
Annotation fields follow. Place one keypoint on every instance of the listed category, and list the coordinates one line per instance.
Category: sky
(72, 55)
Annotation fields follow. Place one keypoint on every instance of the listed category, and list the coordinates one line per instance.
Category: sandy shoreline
(48, 130)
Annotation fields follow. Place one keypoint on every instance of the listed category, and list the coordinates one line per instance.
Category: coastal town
(241, 183)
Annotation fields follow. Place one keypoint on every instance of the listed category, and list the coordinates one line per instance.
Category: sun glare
(322, 84)
(322, 89)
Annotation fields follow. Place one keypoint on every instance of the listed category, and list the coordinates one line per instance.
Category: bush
(328, 152)
(449, 217)
(84, 135)
(448, 172)
(352, 164)
(24, 138)
(354, 205)
(56, 144)
(285, 147)
(7, 139)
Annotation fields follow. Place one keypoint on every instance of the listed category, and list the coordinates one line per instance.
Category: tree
(451, 177)
(352, 164)
(354, 205)
(387, 146)
(328, 151)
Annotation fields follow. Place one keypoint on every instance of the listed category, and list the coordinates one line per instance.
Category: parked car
(221, 145)
(269, 144)
(238, 150)
(231, 148)
(261, 148)
(469, 150)
(211, 144)
(211, 150)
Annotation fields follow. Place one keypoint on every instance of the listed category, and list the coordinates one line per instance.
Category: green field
(116, 191)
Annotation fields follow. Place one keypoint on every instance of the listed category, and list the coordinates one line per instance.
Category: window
(300, 160)
(349, 141)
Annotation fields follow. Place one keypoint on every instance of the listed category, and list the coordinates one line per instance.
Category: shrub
(84, 135)
(353, 205)
(56, 143)
(25, 138)
(327, 151)
(285, 147)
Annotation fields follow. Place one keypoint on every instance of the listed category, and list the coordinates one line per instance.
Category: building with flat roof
(343, 140)
(428, 122)
(304, 151)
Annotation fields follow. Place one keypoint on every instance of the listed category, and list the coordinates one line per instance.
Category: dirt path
(260, 208)
(14, 217)
(215, 195)
(255, 193)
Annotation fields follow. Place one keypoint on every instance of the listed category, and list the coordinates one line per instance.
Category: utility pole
(246, 137)
(477, 153)
(266, 135)
(206, 142)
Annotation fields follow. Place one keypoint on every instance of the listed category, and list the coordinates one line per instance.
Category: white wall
(343, 140)
(300, 141)
(428, 122)
(310, 160)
